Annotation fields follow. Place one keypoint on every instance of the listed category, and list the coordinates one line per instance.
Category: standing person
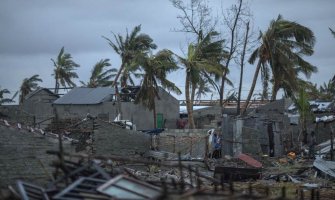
(210, 142)
(217, 146)
(312, 143)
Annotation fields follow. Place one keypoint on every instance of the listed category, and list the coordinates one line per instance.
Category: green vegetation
(28, 85)
(156, 68)
(100, 77)
(203, 59)
(3, 99)
(279, 57)
(132, 50)
(281, 53)
(64, 68)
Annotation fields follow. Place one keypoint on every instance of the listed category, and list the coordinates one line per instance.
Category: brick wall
(185, 141)
(113, 140)
(23, 156)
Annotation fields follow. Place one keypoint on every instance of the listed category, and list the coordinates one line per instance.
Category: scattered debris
(327, 167)
(166, 175)
(250, 161)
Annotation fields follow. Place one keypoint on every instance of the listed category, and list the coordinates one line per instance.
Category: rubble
(165, 175)
(327, 167)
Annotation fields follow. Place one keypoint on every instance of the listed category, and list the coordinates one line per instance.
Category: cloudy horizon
(33, 32)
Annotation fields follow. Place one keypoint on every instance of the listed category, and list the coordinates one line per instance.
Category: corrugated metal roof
(86, 96)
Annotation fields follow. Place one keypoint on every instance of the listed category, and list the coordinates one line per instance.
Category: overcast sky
(32, 32)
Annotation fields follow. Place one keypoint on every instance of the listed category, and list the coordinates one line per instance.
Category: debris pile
(165, 175)
(82, 176)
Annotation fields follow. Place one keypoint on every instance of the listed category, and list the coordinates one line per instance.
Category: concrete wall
(250, 134)
(80, 111)
(112, 140)
(23, 156)
(185, 141)
(40, 105)
(141, 116)
(169, 107)
(14, 113)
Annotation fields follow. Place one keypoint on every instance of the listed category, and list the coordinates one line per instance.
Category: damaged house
(101, 102)
(272, 129)
(39, 104)
(265, 130)
(39, 107)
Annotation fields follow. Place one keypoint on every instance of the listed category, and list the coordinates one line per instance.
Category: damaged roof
(39, 90)
(316, 106)
(83, 96)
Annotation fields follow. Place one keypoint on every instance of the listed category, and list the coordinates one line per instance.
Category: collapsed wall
(190, 142)
(110, 139)
(23, 156)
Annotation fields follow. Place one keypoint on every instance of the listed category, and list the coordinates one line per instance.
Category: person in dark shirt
(216, 146)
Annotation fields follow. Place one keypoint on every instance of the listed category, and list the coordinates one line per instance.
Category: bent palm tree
(155, 69)
(64, 70)
(6, 100)
(327, 91)
(202, 58)
(282, 47)
(333, 32)
(99, 76)
(28, 85)
(131, 49)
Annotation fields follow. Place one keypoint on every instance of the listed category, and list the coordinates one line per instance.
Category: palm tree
(202, 59)
(155, 69)
(28, 85)
(6, 100)
(281, 50)
(333, 32)
(305, 112)
(327, 90)
(131, 49)
(64, 70)
(100, 77)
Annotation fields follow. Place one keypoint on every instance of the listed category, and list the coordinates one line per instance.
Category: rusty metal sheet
(250, 161)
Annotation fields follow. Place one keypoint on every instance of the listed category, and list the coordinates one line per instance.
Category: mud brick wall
(23, 156)
(185, 141)
(113, 140)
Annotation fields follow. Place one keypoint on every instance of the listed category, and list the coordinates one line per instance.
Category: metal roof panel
(82, 96)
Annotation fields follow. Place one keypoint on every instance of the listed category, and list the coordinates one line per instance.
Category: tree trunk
(189, 103)
(192, 104)
(56, 84)
(155, 117)
(118, 74)
(274, 91)
(241, 74)
(231, 52)
(117, 95)
(252, 87)
(222, 88)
